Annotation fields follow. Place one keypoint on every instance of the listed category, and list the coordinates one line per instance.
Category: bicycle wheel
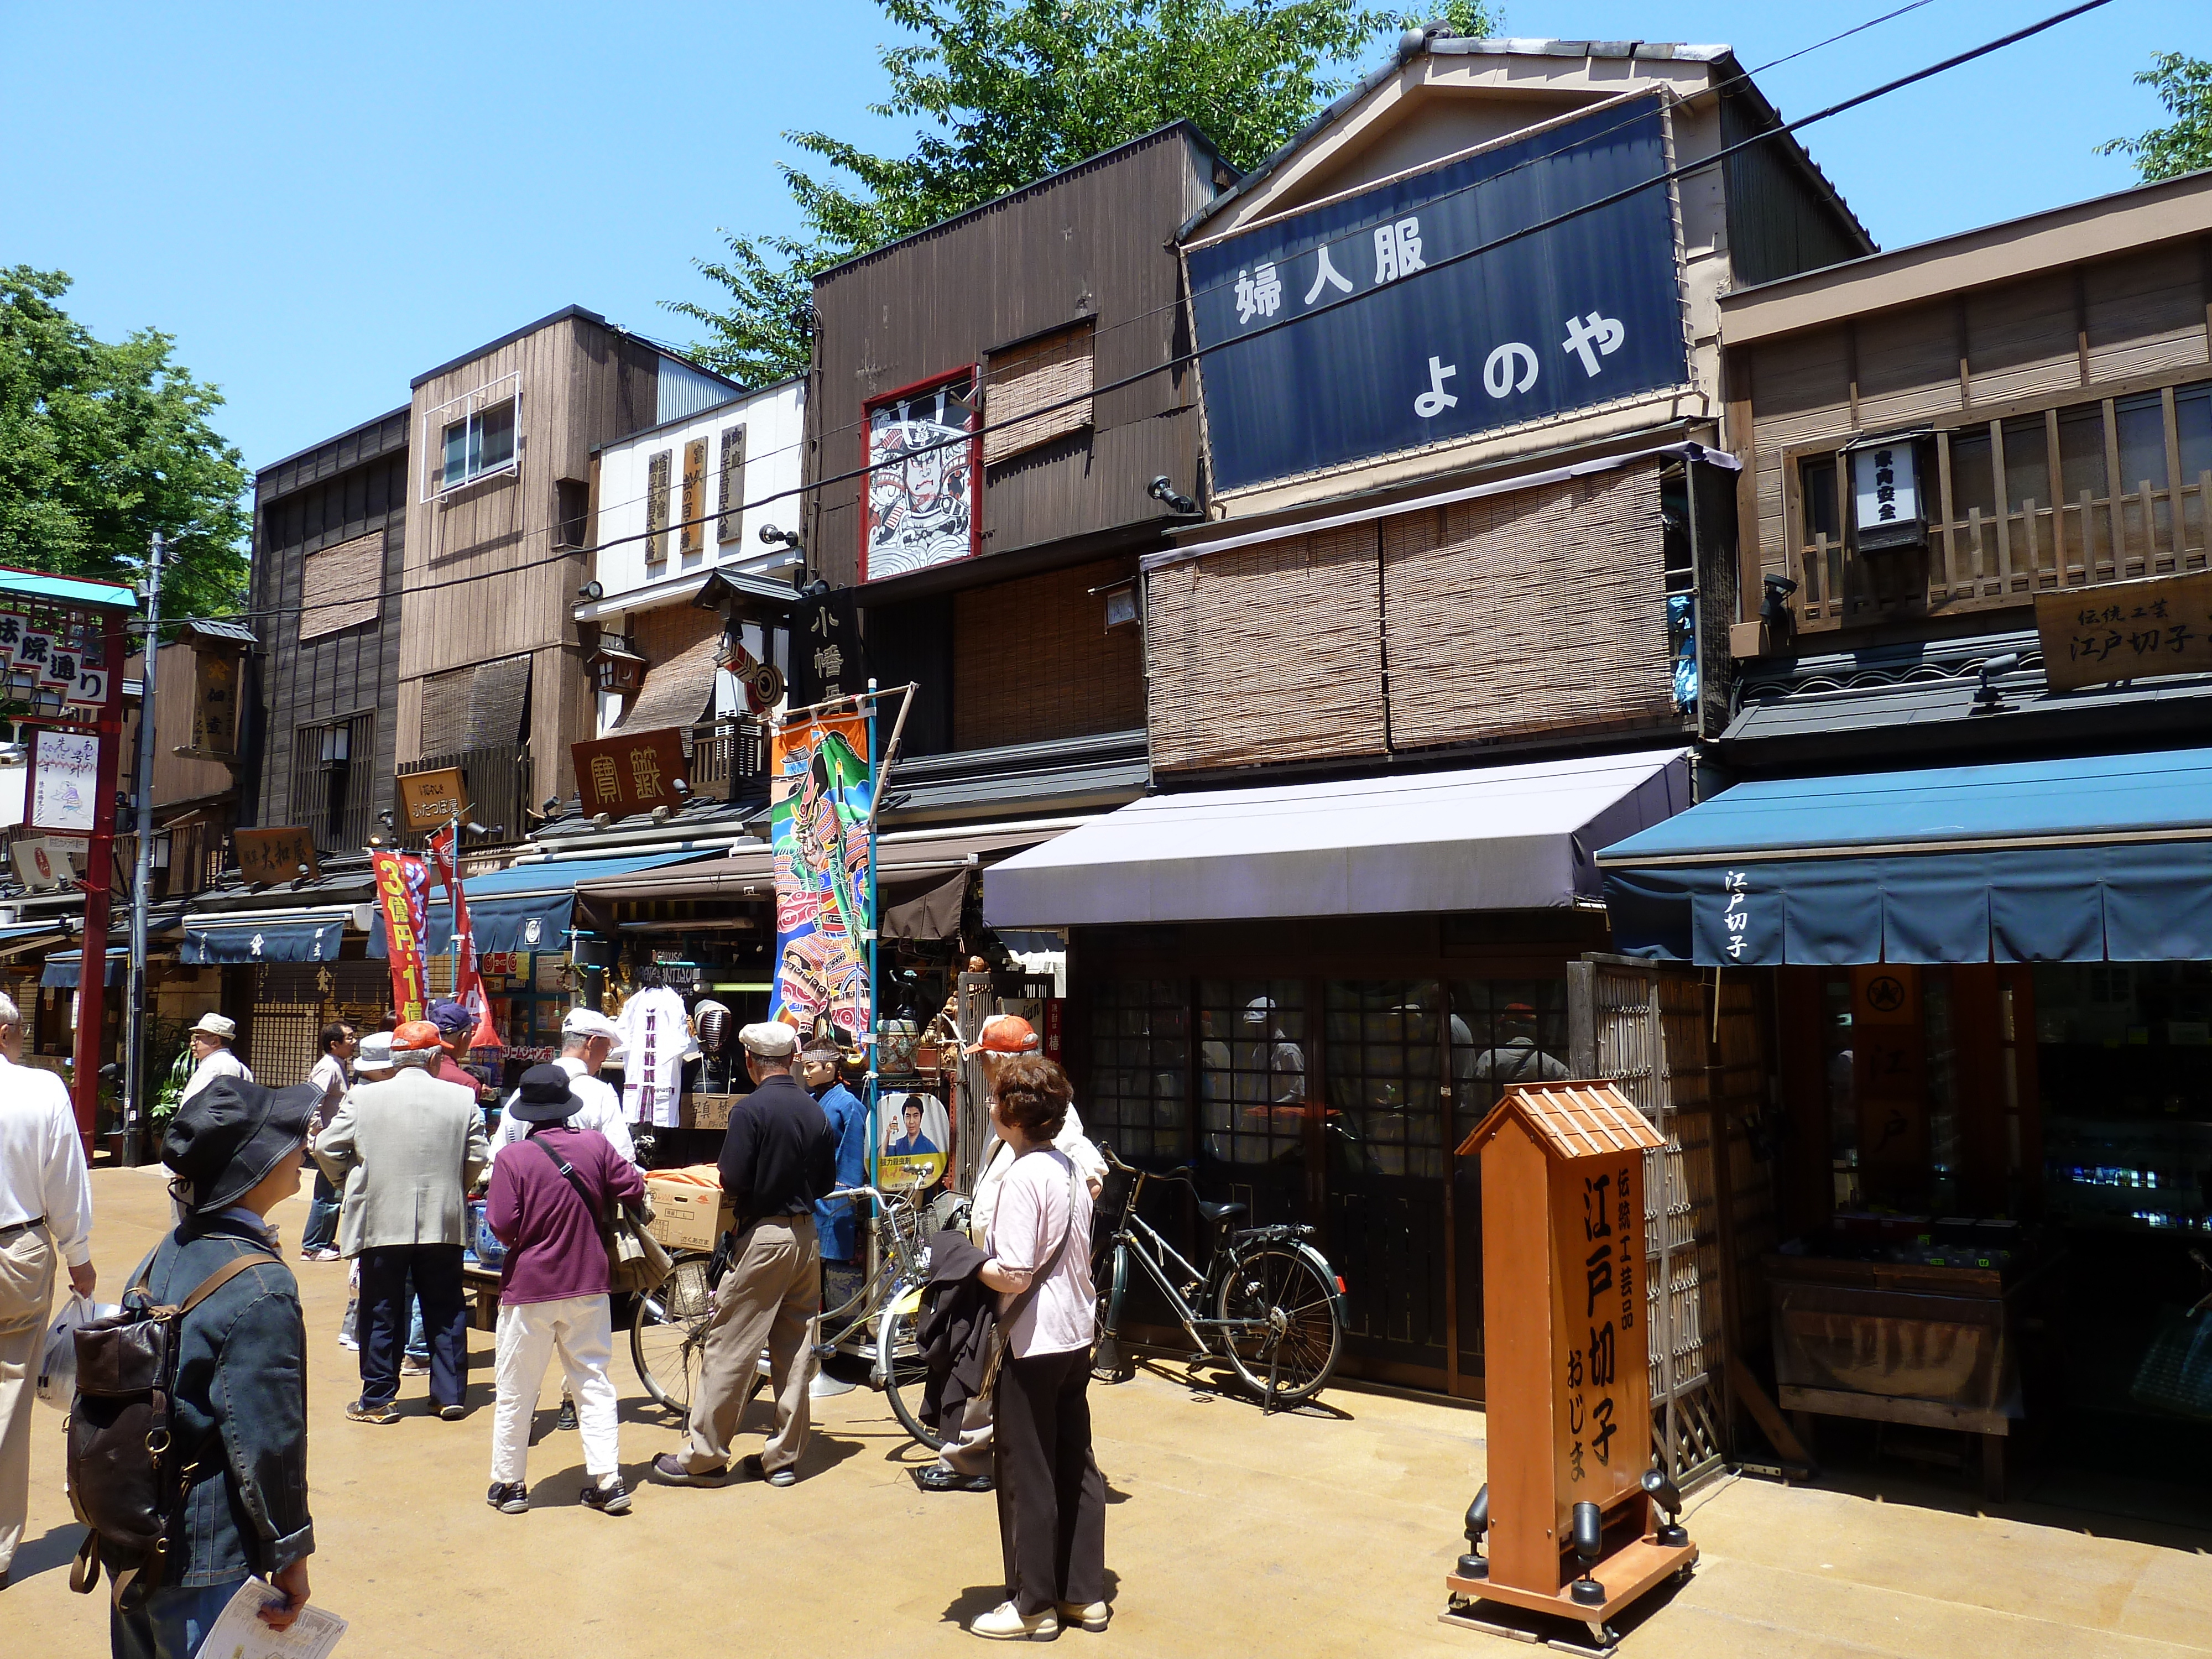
(1290, 1335)
(1110, 1360)
(898, 1364)
(668, 1333)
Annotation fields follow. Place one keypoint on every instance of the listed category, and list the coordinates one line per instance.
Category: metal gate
(1644, 1027)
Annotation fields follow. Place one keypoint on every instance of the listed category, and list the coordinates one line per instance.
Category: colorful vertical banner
(825, 880)
(403, 887)
(468, 981)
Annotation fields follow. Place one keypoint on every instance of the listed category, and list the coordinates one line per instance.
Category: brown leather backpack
(123, 1481)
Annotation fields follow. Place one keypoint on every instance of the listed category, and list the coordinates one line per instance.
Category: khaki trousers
(27, 1286)
(770, 1297)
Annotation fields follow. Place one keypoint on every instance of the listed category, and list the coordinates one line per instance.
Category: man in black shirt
(778, 1157)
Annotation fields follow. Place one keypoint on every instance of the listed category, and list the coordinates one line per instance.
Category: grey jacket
(241, 1408)
(406, 1152)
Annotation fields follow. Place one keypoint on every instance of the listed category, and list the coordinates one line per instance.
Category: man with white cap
(778, 1158)
(588, 1036)
(211, 1056)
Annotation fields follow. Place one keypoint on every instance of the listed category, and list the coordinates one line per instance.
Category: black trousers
(1052, 1499)
(436, 1272)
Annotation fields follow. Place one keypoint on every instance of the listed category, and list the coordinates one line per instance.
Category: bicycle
(1278, 1305)
(668, 1327)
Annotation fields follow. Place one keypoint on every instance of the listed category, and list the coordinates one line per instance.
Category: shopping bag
(58, 1364)
(2176, 1373)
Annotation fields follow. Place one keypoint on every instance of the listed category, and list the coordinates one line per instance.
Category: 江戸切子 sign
(1372, 325)
(2126, 630)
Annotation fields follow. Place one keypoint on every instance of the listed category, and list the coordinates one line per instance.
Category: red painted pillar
(98, 878)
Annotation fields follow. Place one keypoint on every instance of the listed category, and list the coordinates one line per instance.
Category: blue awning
(64, 968)
(526, 907)
(250, 939)
(2105, 858)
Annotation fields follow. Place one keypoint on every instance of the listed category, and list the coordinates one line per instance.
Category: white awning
(1518, 837)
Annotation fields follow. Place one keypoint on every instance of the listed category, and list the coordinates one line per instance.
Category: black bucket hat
(545, 1097)
(225, 1138)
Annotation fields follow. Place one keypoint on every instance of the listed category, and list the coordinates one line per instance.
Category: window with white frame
(476, 437)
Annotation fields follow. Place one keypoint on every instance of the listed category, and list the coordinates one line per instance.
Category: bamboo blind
(1524, 612)
(1034, 375)
(340, 586)
(1268, 652)
(679, 678)
(480, 707)
(1033, 659)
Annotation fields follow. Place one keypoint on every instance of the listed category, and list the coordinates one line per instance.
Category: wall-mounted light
(1164, 492)
(601, 821)
(384, 817)
(771, 537)
(1986, 695)
(591, 591)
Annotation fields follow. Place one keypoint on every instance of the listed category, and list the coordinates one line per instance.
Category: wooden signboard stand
(1574, 1527)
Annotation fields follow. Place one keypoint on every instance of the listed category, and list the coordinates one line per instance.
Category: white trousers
(530, 1334)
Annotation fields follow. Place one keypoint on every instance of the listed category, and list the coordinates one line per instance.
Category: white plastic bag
(58, 1365)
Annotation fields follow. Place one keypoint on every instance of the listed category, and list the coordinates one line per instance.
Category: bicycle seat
(1219, 1212)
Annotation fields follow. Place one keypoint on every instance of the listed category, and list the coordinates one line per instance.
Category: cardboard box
(687, 1217)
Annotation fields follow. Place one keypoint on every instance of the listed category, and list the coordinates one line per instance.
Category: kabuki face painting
(920, 503)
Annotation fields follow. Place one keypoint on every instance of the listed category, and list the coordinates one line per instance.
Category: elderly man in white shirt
(45, 1211)
(211, 1053)
(586, 1039)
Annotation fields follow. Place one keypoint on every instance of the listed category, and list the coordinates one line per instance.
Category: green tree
(1012, 90)
(2185, 87)
(102, 445)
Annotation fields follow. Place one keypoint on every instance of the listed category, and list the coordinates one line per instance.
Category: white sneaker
(1092, 1617)
(1006, 1623)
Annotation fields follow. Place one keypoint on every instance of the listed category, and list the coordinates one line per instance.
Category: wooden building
(1025, 304)
(1439, 634)
(490, 673)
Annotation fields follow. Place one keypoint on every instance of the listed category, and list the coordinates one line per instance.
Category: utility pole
(134, 1039)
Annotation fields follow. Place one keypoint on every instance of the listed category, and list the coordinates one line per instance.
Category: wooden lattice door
(1645, 1028)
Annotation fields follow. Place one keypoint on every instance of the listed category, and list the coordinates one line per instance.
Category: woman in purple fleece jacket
(553, 1291)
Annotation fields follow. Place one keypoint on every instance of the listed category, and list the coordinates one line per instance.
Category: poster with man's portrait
(913, 1136)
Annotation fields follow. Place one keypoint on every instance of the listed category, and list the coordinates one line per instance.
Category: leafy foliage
(2185, 87)
(1012, 90)
(102, 445)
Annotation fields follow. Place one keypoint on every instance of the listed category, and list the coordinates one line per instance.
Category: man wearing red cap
(964, 1464)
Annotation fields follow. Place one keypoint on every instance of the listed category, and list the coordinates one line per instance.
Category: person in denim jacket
(240, 1415)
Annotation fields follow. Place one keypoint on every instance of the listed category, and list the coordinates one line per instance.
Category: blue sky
(321, 202)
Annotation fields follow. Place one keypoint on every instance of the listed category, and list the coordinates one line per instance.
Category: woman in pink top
(1052, 1499)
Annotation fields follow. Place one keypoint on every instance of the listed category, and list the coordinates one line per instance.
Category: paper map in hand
(239, 1634)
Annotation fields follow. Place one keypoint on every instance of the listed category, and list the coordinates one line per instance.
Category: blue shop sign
(1341, 333)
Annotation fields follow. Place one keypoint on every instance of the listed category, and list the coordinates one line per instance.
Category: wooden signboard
(267, 856)
(429, 799)
(692, 538)
(629, 772)
(1567, 1380)
(2126, 630)
(214, 703)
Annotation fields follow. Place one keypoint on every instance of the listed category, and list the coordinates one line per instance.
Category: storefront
(1316, 991)
(1993, 992)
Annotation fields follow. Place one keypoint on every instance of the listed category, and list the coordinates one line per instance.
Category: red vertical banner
(468, 981)
(99, 872)
(401, 881)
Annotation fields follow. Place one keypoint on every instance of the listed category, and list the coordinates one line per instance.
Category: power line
(1185, 359)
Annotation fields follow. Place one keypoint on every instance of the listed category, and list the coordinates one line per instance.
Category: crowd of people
(393, 1127)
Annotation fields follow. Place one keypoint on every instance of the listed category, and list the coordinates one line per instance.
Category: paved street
(1319, 1533)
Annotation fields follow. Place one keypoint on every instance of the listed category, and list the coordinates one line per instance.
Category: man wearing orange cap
(419, 1145)
(964, 1464)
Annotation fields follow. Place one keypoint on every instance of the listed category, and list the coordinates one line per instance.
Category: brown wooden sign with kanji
(268, 856)
(2126, 630)
(630, 772)
(431, 799)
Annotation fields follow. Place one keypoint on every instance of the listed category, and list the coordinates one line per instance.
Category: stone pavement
(1321, 1532)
